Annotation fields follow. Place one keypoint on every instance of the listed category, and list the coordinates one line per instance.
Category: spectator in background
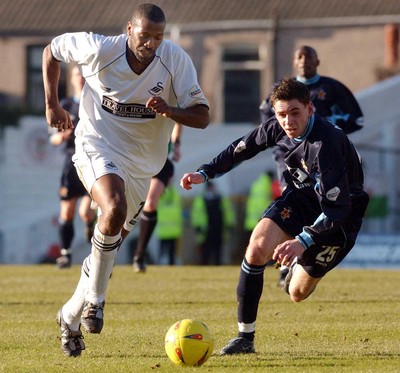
(331, 99)
(71, 188)
(262, 192)
(212, 216)
(169, 229)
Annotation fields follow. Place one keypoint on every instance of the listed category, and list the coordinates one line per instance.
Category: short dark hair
(149, 11)
(289, 89)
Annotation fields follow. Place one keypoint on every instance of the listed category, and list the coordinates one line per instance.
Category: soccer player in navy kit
(71, 188)
(138, 85)
(314, 224)
(331, 99)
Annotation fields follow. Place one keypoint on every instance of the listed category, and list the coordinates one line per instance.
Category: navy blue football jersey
(323, 166)
(332, 100)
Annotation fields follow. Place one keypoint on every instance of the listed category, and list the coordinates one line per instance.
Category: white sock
(104, 251)
(72, 310)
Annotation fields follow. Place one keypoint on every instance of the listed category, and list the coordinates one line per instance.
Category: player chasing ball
(315, 223)
(137, 86)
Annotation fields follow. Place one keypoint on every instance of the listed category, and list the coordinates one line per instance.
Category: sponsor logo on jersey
(239, 147)
(299, 178)
(195, 91)
(333, 194)
(157, 89)
(126, 110)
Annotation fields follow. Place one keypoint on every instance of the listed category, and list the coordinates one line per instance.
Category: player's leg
(88, 216)
(265, 237)
(309, 268)
(148, 220)
(109, 193)
(66, 230)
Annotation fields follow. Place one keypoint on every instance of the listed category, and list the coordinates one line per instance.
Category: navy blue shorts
(166, 172)
(292, 211)
(71, 185)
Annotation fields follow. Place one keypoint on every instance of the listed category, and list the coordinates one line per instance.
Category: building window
(34, 89)
(242, 67)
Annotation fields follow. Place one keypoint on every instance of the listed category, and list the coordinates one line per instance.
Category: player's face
(305, 63)
(293, 116)
(144, 38)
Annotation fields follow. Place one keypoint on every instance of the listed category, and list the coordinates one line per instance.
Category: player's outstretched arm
(191, 178)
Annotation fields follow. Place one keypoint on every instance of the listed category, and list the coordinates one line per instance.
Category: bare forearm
(51, 76)
(195, 117)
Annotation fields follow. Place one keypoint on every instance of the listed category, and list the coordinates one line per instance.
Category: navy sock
(249, 290)
(147, 224)
(66, 232)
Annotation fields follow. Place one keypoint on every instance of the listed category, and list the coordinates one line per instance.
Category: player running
(315, 223)
(137, 86)
(332, 100)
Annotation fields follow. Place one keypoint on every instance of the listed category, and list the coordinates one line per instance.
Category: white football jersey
(112, 113)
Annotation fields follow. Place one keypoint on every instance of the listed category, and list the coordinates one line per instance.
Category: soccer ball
(189, 343)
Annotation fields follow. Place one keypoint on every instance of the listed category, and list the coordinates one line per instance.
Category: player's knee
(255, 254)
(297, 294)
(114, 215)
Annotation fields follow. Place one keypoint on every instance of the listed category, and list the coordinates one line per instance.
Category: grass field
(350, 324)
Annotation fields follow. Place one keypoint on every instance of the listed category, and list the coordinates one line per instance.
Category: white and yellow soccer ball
(189, 343)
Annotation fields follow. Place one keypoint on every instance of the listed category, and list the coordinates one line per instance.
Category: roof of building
(47, 17)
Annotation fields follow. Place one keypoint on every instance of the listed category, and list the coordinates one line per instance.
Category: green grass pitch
(350, 324)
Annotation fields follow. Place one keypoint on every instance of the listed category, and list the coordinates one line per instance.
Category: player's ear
(129, 28)
(310, 109)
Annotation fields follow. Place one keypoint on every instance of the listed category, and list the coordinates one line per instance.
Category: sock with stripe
(104, 251)
(72, 310)
(249, 290)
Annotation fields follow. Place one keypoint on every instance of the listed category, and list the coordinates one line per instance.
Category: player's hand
(287, 251)
(191, 178)
(159, 106)
(58, 118)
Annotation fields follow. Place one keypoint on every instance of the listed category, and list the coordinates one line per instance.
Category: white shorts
(91, 166)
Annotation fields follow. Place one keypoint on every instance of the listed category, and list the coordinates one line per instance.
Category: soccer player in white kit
(137, 86)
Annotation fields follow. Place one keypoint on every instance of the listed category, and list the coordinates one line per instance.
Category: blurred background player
(332, 100)
(148, 219)
(169, 229)
(71, 188)
(212, 217)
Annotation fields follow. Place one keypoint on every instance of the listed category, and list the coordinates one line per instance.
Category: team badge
(285, 213)
(157, 89)
(321, 94)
